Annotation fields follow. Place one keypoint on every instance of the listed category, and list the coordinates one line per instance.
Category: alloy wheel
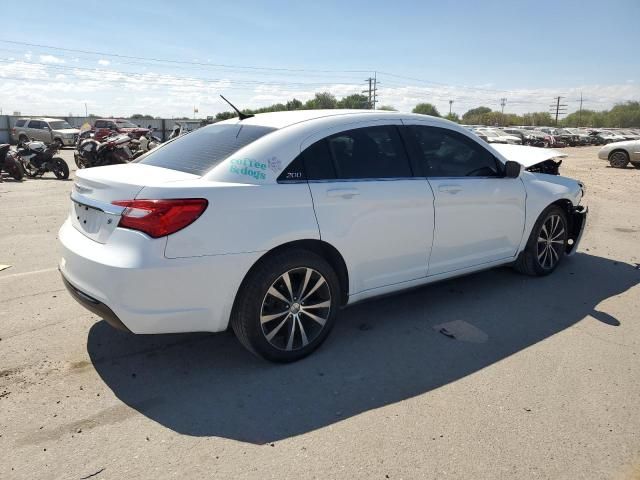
(295, 309)
(551, 241)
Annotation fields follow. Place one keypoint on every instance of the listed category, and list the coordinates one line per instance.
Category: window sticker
(248, 167)
(275, 165)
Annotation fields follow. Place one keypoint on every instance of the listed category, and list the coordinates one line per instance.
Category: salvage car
(620, 154)
(274, 222)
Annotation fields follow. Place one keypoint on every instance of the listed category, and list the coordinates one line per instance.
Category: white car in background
(620, 154)
(275, 222)
(495, 135)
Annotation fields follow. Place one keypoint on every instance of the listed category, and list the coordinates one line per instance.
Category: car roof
(44, 119)
(280, 120)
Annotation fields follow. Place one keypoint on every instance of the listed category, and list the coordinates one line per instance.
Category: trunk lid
(92, 212)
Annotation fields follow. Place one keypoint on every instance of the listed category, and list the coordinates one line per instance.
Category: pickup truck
(103, 127)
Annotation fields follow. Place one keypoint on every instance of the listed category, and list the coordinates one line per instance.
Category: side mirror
(512, 169)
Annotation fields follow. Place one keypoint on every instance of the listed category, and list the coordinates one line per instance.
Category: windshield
(125, 124)
(201, 150)
(59, 125)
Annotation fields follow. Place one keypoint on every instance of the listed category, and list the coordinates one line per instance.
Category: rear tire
(23, 140)
(14, 168)
(619, 159)
(547, 244)
(270, 317)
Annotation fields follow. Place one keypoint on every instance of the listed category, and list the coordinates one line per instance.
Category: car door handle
(453, 189)
(343, 192)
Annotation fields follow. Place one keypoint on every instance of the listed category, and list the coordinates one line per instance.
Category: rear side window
(100, 124)
(447, 153)
(201, 150)
(20, 123)
(36, 124)
(370, 152)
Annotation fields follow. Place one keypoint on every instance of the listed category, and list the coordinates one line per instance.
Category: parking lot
(540, 379)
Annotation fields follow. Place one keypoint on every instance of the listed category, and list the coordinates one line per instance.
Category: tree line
(625, 114)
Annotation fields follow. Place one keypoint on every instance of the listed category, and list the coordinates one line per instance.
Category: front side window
(203, 149)
(370, 152)
(447, 153)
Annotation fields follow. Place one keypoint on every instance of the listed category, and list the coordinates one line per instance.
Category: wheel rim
(619, 159)
(295, 309)
(551, 241)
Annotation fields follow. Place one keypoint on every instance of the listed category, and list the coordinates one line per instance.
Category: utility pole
(558, 108)
(450, 103)
(503, 102)
(372, 91)
(580, 112)
(85, 110)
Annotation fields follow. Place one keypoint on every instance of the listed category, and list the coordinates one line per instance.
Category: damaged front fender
(577, 222)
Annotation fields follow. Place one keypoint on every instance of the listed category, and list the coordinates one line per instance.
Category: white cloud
(51, 59)
(104, 62)
(109, 92)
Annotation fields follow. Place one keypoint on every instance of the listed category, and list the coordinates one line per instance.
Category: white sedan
(275, 222)
(620, 154)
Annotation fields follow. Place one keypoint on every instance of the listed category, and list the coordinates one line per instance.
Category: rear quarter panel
(240, 218)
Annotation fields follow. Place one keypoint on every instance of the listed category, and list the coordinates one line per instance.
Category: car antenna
(241, 116)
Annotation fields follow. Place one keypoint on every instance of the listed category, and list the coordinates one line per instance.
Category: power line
(179, 62)
(166, 77)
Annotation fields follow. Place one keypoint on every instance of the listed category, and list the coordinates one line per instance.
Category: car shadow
(380, 352)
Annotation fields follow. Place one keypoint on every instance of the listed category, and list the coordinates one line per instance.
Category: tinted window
(294, 172)
(318, 162)
(20, 123)
(203, 149)
(100, 124)
(446, 153)
(372, 152)
(36, 124)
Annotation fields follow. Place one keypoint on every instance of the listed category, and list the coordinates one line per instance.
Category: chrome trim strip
(102, 206)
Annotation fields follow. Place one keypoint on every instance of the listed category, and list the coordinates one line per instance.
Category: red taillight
(159, 218)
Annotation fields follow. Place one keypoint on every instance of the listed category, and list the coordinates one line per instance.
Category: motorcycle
(38, 159)
(145, 143)
(10, 163)
(112, 150)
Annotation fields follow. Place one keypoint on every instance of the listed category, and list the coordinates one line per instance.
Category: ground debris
(93, 474)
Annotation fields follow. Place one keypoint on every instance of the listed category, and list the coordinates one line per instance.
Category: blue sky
(471, 52)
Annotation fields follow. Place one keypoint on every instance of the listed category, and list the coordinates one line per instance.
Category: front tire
(60, 168)
(286, 306)
(547, 244)
(619, 159)
(59, 144)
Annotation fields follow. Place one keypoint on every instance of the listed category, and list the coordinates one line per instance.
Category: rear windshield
(201, 150)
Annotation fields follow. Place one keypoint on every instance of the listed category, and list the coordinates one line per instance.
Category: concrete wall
(162, 126)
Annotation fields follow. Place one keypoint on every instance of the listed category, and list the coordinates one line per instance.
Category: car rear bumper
(94, 306)
(130, 283)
